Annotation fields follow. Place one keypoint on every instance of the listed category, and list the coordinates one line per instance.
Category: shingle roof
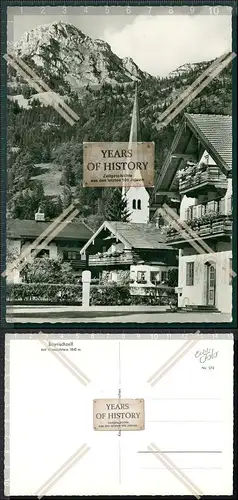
(21, 228)
(215, 135)
(140, 236)
(216, 131)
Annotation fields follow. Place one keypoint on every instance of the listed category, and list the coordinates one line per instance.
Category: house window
(193, 211)
(42, 254)
(164, 275)
(229, 205)
(230, 271)
(113, 276)
(71, 255)
(141, 276)
(155, 277)
(136, 204)
(188, 215)
(189, 273)
(199, 211)
(221, 206)
(212, 206)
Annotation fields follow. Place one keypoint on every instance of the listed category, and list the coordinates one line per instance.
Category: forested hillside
(45, 163)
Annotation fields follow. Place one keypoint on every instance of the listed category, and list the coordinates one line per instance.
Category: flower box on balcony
(204, 229)
(220, 217)
(218, 223)
(197, 178)
(195, 229)
(205, 225)
(218, 228)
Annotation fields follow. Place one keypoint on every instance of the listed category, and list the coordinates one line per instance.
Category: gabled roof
(22, 228)
(213, 133)
(216, 133)
(133, 235)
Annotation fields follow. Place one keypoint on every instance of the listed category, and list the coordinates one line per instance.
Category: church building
(137, 197)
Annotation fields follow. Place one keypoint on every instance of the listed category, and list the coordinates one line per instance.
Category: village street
(101, 314)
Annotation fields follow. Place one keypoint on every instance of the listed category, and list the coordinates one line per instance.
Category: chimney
(40, 215)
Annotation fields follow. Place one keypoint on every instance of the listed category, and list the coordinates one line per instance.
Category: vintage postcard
(120, 194)
(86, 416)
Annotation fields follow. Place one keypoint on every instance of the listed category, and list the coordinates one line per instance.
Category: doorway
(210, 284)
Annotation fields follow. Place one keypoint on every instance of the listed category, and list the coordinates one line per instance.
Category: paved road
(63, 315)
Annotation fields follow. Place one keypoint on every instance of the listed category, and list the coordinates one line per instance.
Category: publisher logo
(206, 355)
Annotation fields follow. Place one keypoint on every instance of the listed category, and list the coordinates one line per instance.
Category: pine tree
(58, 206)
(116, 207)
(67, 197)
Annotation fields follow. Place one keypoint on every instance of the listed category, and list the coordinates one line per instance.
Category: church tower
(137, 197)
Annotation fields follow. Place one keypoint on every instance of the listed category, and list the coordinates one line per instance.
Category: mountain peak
(184, 68)
(67, 54)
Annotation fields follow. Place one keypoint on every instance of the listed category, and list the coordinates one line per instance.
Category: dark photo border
(3, 42)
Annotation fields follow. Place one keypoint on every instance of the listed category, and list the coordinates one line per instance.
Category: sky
(158, 42)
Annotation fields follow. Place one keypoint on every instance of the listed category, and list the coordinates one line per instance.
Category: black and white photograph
(109, 78)
(160, 424)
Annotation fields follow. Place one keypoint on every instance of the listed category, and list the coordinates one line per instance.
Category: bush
(153, 297)
(116, 295)
(44, 292)
(110, 295)
(45, 270)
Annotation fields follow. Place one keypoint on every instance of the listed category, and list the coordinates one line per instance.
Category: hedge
(100, 295)
(44, 292)
(109, 295)
(114, 295)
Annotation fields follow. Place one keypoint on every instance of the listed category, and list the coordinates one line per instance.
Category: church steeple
(137, 197)
(135, 132)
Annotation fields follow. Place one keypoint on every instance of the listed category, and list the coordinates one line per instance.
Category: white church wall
(140, 196)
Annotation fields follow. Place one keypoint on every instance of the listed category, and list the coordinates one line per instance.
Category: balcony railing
(211, 226)
(77, 264)
(111, 260)
(199, 177)
(222, 206)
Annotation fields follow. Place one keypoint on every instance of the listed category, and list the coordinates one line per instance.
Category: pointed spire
(135, 132)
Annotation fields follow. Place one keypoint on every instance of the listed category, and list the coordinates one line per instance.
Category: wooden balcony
(199, 180)
(77, 264)
(216, 207)
(220, 227)
(125, 258)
